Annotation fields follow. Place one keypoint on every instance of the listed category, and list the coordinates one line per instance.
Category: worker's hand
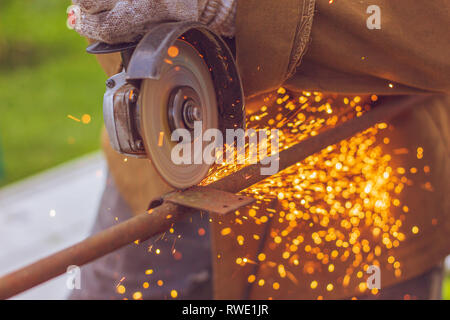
(115, 21)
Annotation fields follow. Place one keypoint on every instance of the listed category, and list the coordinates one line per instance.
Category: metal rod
(140, 228)
(161, 218)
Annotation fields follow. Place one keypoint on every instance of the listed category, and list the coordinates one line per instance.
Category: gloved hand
(115, 21)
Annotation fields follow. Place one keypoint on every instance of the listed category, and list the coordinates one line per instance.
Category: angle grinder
(177, 74)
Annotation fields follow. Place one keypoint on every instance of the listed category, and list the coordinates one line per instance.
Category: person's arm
(409, 54)
(271, 36)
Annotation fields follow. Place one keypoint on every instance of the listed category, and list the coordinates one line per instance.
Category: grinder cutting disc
(183, 94)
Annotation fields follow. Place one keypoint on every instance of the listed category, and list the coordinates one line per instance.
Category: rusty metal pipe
(145, 226)
(141, 227)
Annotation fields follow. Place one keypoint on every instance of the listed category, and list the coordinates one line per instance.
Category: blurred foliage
(45, 75)
(446, 287)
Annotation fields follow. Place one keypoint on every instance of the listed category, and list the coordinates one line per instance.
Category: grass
(45, 75)
(446, 288)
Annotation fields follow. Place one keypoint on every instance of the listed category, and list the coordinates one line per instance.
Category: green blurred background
(45, 79)
(45, 76)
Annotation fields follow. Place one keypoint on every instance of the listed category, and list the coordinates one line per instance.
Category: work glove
(116, 21)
